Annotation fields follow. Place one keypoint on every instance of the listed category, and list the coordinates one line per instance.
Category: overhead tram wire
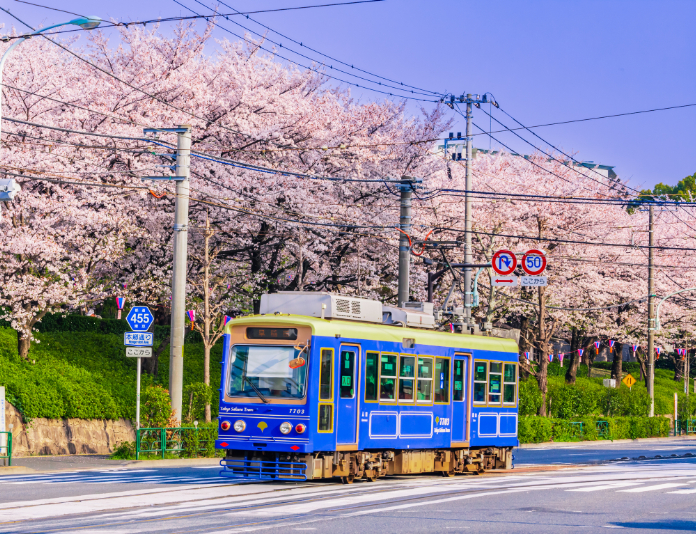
(108, 24)
(572, 168)
(435, 93)
(579, 309)
(312, 68)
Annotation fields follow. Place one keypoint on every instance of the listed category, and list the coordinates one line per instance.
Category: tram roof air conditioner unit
(310, 303)
(415, 314)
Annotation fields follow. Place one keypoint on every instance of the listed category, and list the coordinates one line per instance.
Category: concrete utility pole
(467, 218)
(179, 271)
(406, 187)
(651, 315)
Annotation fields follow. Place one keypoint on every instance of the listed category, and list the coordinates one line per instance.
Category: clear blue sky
(544, 61)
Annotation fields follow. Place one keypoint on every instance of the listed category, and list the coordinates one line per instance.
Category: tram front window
(265, 372)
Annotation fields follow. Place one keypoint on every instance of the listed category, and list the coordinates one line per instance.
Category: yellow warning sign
(629, 381)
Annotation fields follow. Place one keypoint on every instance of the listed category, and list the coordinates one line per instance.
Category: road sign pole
(137, 397)
(176, 351)
(651, 317)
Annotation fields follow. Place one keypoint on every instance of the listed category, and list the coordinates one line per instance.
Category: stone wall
(66, 436)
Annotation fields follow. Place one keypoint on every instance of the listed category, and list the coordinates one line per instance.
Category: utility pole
(651, 315)
(179, 271)
(470, 100)
(406, 187)
(467, 218)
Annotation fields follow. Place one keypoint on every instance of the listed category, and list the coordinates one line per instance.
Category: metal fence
(6, 447)
(684, 426)
(175, 441)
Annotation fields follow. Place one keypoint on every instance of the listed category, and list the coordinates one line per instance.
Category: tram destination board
(289, 334)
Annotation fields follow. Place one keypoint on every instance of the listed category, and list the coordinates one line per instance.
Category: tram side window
(387, 380)
(509, 383)
(442, 380)
(425, 380)
(325, 375)
(495, 382)
(407, 373)
(326, 418)
(458, 394)
(371, 375)
(480, 381)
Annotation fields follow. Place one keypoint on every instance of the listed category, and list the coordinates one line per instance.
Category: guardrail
(173, 440)
(6, 446)
(686, 426)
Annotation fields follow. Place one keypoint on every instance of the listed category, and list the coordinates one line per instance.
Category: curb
(185, 462)
(18, 470)
(564, 444)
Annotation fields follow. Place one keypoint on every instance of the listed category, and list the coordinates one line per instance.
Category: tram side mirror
(296, 363)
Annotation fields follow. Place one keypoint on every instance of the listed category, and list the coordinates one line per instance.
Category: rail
(6, 445)
(172, 440)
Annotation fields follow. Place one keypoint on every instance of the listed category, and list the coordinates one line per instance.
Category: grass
(85, 374)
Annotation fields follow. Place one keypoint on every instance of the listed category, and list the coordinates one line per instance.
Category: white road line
(651, 488)
(609, 486)
(683, 492)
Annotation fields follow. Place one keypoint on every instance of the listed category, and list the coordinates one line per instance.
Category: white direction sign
(139, 352)
(504, 281)
(138, 339)
(533, 281)
(140, 318)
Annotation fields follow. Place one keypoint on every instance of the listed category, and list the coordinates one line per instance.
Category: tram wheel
(348, 480)
(372, 478)
(447, 473)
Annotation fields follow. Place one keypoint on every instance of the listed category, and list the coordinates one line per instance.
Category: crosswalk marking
(612, 485)
(652, 488)
(683, 492)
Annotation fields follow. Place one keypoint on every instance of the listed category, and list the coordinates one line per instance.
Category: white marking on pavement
(683, 492)
(612, 485)
(651, 488)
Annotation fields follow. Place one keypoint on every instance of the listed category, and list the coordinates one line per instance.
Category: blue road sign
(138, 339)
(140, 318)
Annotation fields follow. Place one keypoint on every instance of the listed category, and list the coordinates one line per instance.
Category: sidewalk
(37, 464)
(564, 444)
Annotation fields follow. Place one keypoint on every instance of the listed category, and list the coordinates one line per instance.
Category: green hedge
(82, 323)
(535, 429)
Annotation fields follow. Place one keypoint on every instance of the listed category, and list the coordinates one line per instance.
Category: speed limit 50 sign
(534, 262)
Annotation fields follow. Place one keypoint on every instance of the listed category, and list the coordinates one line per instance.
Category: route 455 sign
(140, 318)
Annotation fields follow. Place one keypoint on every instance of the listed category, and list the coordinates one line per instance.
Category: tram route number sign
(139, 352)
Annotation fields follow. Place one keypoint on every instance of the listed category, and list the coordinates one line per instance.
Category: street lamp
(9, 187)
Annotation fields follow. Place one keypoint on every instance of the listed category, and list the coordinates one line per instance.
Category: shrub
(530, 398)
(195, 397)
(535, 429)
(125, 451)
(155, 407)
(201, 442)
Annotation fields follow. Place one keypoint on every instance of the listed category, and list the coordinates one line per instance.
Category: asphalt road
(649, 495)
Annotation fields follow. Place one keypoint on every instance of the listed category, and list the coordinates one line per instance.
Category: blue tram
(318, 386)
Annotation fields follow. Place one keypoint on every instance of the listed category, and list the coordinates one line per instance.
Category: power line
(306, 67)
(580, 309)
(108, 24)
(326, 55)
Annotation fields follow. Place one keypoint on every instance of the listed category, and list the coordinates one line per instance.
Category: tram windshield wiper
(256, 390)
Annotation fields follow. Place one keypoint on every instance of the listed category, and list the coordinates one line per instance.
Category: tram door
(348, 391)
(460, 404)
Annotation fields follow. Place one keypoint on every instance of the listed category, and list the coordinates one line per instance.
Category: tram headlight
(239, 426)
(285, 428)
(300, 428)
(225, 425)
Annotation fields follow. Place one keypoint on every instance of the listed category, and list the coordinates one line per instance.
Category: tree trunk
(542, 373)
(643, 368)
(574, 360)
(617, 363)
(151, 365)
(23, 345)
